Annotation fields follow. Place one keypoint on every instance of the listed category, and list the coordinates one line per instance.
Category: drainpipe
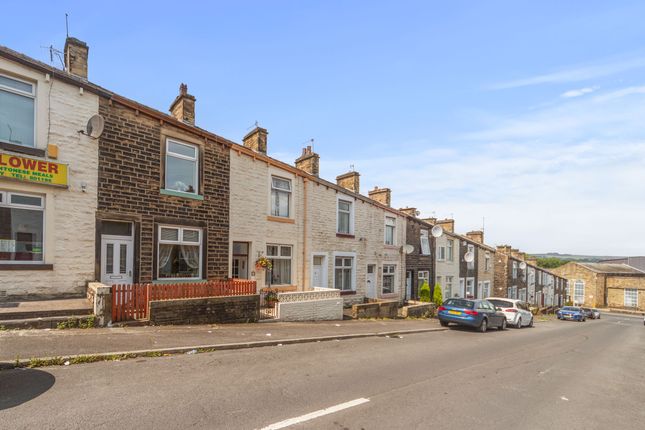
(304, 233)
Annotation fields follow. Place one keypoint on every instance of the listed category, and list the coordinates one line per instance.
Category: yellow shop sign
(30, 170)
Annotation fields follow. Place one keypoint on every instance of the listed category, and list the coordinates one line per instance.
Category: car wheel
(531, 323)
(502, 325)
(483, 326)
(443, 323)
(519, 323)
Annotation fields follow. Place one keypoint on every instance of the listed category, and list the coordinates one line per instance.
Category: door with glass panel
(116, 260)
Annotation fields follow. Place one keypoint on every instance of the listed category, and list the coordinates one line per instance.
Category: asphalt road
(558, 375)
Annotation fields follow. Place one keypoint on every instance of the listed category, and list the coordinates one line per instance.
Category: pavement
(559, 374)
(26, 344)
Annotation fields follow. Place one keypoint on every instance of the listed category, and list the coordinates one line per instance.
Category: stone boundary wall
(380, 309)
(208, 310)
(321, 304)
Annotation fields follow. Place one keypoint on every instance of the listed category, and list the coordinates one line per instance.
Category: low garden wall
(321, 304)
(379, 309)
(207, 310)
(418, 310)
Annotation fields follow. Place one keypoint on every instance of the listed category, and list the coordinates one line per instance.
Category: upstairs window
(450, 250)
(441, 253)
(425, 243)
(345, 217)
(280, 197)
(487, 262)
(17, 111)
(390, 227)
(514, 269)
(21, 228)
(182, 167)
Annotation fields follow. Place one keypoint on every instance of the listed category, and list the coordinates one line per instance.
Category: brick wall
(131, 168)
(237, 309)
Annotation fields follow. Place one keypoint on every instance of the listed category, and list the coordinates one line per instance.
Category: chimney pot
(309, 161)
(448, 224)
(183, 108)
(381, 195)
(476, 236)
(350, 181)
(256, 140)
(409, 211)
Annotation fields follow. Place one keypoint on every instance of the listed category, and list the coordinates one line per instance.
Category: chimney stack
(504, 249)
(430, 220)
(183, 108)
(76, 52)
(350, 181)
(381, 195)
(448, 224)
(256, 140)
(309, 161)
(409, 211)
(476, 236)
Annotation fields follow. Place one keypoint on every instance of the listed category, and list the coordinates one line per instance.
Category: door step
(51, 322)
(44, 309)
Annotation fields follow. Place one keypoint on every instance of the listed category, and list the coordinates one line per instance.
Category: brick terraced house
(518, 277)
(163, 199)
(614, 285)
(48, 175)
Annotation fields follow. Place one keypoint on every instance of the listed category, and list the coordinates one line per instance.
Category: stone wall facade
(416, 261)
(62, 108)
(132, 187)
(447, 270)
(210, 310)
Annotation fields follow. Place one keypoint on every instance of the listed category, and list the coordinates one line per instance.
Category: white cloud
(578, 92)
(547, 180)
(575, 74)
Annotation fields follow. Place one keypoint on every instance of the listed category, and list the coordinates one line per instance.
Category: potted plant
(271, 297)
(263, 263)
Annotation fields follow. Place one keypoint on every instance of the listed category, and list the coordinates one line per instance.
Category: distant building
(637, 262)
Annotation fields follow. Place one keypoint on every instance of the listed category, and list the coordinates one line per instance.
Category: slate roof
(612, 268)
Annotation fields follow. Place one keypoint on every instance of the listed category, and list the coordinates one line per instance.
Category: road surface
(556, 375)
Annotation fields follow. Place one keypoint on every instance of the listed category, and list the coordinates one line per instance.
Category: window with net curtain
(180, 253)
(280, 257)
(280, 196)
(17, 113)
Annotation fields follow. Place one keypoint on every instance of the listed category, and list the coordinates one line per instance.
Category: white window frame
(631, 292)
(169, 153)
(180, 241)
(351, 255)
(280, 257)
(423, 275)
(579, 283)
(450, 250)
(487, 260)
(351, 214)
(441, 253)
(425, 243)
(24, 94)
(289, 193)
(514, 269)
(5, 201)
(486, 289)
(390, 222)
(391, 271)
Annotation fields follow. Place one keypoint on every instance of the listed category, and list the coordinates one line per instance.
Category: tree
(424, 292)
(551, 262)
(437, 297)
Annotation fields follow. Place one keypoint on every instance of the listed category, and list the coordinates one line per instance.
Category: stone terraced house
(419, 260)
(314, 232)
(447, 259)
(48, 175)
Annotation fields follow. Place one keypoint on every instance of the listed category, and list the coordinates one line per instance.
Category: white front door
(408, 285)
(116, 260)
(371, 281)
(317, 272)
(240, 268)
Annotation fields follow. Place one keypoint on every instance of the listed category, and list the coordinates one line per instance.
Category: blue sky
(530, 114)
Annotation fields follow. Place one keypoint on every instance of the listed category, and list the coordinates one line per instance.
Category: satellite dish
(469, 257)
(522, 265)
(95, 126)
(408, 249)
(437, 231)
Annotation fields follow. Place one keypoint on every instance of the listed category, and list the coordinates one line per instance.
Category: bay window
(22, 220)
(280, 257)
(280, 197)
(182, 167)
(179, 253)
(17, 111)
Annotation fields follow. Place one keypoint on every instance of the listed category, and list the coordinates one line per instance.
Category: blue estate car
(480, 314)
(573, 313)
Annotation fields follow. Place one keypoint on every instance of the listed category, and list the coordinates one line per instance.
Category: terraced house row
(154, 198)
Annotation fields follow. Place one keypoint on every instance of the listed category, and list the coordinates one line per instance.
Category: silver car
(596, 314)
(516, 311)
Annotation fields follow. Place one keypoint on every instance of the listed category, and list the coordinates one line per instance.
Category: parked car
(588, 312)
(574, 313)
(477, 313)
(596, 314)
(517, 312)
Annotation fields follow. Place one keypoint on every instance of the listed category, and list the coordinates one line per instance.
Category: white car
(516, 311)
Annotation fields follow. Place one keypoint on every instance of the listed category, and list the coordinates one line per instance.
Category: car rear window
(570, 308)
(501, 303)
(459, 303)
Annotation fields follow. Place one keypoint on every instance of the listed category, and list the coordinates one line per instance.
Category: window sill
(391, 246)
(347, 292)
(22, 149)
(181, 194)
(281, 219)
(18, 266)
(347, 236)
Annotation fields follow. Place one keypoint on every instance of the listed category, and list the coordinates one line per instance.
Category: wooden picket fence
(131, 301)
